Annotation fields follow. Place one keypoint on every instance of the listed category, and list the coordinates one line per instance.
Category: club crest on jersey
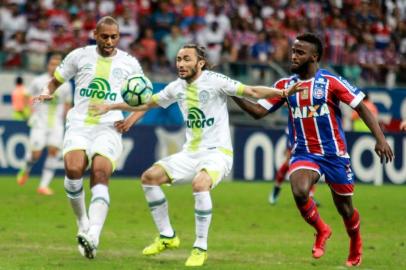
(204, 96)
(319, 88)
(318, 93)
(310, 111)
(197, 119)
(118, 73)
(98, 88)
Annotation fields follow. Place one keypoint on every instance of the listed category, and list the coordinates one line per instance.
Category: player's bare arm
(254, 109)
(123, 126)
(99, 109)
(382, 147)
(269, 92)
(48, 91)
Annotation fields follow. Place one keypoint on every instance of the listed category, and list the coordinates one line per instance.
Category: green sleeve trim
(59, 77)
(155, 99)
(226, 151)
(240, 90)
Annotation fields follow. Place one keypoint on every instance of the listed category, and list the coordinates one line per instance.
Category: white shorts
(42, 137)
(103, 140)
(183, 166)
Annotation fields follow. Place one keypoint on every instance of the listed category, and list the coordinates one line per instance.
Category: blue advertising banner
(258, 152)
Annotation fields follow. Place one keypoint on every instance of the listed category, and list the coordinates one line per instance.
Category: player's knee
(99, 176)
(300, 193)
(74, 172)
(200, 185)
(148, 178)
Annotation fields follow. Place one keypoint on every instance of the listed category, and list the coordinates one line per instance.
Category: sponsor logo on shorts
(197, 119)
(98, 88)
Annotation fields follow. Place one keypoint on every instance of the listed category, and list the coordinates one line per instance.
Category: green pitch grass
(247, 233)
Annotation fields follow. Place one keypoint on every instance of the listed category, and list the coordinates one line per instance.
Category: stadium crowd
(365, 39)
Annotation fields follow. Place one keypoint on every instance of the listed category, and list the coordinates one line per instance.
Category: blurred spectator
(280, 47)
(336, 36)
(173, 42)
(12, 20)
(15, 48)
(58, 15)
(261, 54)
(62, 41)
(391, 66)
(192, 13)
(39, 40)
(20, 101)
(358, 124)
(162, 20)
(128, 29)
(351, 70)
(217, 14)
(146, 49)
(212, 37)
(370, 59)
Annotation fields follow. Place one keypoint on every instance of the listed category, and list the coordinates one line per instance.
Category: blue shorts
(337, 170)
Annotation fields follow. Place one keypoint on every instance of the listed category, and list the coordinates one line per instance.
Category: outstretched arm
(259, 92)
(382, 148)
(254, 109)
(48, 90)
(99, 109)
(124, 125)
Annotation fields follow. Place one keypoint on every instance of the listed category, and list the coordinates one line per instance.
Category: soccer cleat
(355, 256)
(197, 257)
(86, 246)
(320, 244)
(22, 177)
(45, 191)
(274, 195)
(160, 244)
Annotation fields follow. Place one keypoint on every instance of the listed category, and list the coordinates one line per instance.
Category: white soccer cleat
(87, 246)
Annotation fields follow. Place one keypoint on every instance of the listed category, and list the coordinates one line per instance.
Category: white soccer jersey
(49, 114)
(203, 104)
(97, 80)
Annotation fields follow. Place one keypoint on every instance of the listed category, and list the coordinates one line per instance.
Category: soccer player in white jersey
(46, 128)
(207, 155)
(99, 72)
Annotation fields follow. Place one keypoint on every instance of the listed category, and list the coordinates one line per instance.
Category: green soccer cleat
(22, 177)
(197, 257)
(160, 244)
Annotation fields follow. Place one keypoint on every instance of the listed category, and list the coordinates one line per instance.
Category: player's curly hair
(201, 54)
(315, 40)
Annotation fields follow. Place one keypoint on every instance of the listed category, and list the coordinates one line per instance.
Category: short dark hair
(200, 52)
(315, 40)
(106, 20)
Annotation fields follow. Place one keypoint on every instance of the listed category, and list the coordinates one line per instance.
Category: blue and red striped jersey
(314, 114)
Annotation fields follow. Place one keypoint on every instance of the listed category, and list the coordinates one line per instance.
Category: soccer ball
(137, 90)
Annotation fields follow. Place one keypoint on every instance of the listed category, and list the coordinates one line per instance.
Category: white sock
(48, 171)
(98, 209)
(76, 194)
(159, 209)
(203, 213)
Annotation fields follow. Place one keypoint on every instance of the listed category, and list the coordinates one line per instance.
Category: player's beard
(300, 69)
(193, 72)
